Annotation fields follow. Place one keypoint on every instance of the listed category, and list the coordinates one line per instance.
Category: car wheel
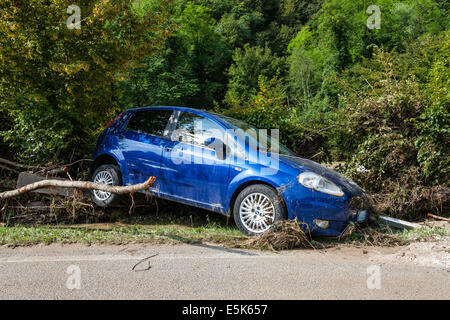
(107, 174)
(256, 208)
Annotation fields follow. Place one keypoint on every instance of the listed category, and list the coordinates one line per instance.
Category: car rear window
(152, 122)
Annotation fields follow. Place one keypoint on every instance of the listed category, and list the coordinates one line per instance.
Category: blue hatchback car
(224, 165)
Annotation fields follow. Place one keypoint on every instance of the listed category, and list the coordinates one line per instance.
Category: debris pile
(283, 235)
(370, 236)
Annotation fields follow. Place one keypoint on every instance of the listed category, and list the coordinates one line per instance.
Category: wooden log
(79, 185)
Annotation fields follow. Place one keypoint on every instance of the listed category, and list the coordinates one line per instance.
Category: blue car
(223, 165)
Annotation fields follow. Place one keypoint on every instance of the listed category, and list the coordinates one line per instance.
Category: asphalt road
(210, 272)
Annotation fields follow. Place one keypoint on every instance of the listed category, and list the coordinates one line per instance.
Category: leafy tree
(262, 22)
(190, 69)
(207, 50)
(337, 38)
(250, 64)
(57, 83)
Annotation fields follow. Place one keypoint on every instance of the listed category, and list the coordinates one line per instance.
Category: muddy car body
(228, 173)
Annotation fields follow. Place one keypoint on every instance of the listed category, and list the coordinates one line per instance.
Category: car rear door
(190, 171)
(142, 142)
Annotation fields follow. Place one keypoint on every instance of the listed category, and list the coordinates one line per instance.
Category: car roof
(185, 109)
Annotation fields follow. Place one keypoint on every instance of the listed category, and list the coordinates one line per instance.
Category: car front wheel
(256, 208)
(107, 174)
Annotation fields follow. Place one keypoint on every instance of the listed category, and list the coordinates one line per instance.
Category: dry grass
(370, 236)
(283, 235)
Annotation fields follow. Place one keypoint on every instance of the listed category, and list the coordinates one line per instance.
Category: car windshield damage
(264, 142)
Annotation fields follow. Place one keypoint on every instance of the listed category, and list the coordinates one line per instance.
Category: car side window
(195, 129)
(152, 122)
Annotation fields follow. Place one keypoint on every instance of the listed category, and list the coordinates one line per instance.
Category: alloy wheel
(257, 212)
(106, 178)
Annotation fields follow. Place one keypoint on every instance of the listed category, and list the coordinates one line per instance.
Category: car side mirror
(218, 145)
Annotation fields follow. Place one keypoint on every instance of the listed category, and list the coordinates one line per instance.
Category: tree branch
(8, 168)
(79, 185)
(316, 132)
(17, 165)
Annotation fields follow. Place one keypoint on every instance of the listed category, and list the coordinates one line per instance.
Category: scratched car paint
(228, 172)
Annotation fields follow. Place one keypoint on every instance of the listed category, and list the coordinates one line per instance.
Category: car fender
(117, 155)
(246, 177)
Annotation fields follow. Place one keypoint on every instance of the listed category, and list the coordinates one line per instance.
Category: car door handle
(168, 149)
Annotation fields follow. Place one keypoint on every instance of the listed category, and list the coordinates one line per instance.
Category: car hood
(348, 186)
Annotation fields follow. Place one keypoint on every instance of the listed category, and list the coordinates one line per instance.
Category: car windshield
(264, 144)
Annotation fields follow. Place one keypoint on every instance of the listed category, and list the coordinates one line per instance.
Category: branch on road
(143, 260)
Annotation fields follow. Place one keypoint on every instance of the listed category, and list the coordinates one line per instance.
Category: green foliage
(250, 64)
(263, 22)
(267, 109)
(56, 83)
(337, 38)
(39, 130)
(190, 69)
(400, 133)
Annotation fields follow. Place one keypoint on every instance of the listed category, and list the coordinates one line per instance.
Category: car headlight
(314, 181)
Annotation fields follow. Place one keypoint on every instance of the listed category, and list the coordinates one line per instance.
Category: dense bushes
(400, 129)
(267, 108)
(57, 83)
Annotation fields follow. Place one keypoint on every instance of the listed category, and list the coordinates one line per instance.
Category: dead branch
(17, 165)
(315, 133)
(50, 170)
(61, 168)
(438, 217)
(143, 260)
(79, 185)
(8, 168)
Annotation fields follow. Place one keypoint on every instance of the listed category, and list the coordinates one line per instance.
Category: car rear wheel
(107, 174)
(256, 208)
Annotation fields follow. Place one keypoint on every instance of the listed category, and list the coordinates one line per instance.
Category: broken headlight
(316, 182)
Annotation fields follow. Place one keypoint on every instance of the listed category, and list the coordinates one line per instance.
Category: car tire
(256, 208)
(107, 174)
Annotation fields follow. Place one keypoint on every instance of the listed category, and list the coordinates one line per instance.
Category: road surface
(211, 272)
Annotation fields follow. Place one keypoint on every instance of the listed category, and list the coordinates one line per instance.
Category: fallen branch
(17, 165)
(50, 170)
(61, 168)
(438, 217)
(143, 260)
(79, 185)
(8, 168)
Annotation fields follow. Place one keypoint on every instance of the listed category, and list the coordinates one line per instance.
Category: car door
(191, 171)
(142, 142)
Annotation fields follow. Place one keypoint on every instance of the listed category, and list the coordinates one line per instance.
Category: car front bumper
(306, 205)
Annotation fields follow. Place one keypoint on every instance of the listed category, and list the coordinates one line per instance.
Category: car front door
(190, 170)
(142, 143)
